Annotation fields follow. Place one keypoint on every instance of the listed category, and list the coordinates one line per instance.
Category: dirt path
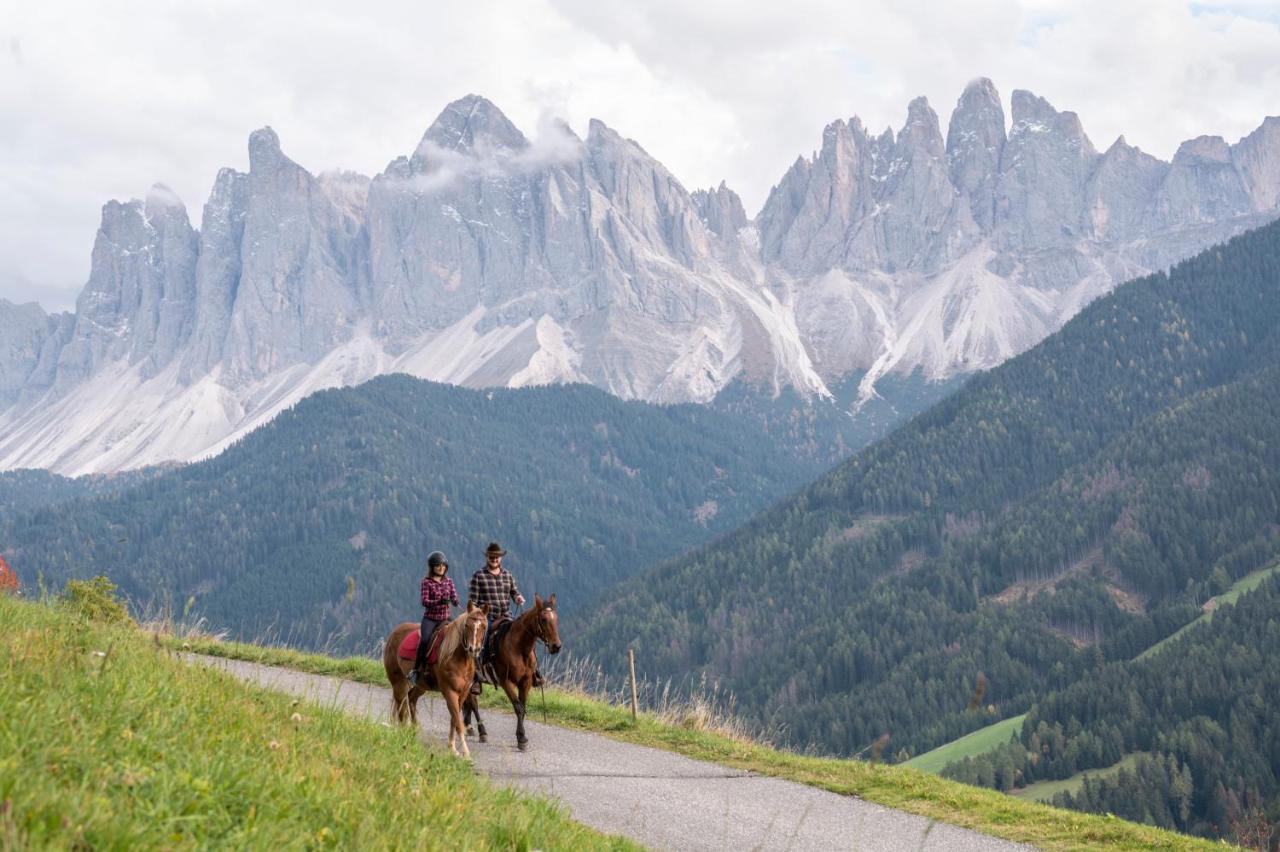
(655, 797)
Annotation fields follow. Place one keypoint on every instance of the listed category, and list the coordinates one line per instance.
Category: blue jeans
(429, 626)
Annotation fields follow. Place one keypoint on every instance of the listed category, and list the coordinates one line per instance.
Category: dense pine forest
(1058, 513)
(314, 529)
(24, 490)
(1199, 714)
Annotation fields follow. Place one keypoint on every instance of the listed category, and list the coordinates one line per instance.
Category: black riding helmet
(437, 558)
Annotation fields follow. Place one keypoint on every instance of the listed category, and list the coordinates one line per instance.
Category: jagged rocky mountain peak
(264, 149)
(721, 210)
(491, 258)
(921, 132)
(162, 201)
(1203, 149)
(473, 123)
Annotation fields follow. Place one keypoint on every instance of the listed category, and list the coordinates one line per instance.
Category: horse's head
(473, 629)
(546, 622)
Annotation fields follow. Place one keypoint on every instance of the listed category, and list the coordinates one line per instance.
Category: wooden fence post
(631, 658)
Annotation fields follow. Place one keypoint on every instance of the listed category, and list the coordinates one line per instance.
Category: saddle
(497, 630)
(408, 649)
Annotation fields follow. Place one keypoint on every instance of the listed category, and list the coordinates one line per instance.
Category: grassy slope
(1245, 584)
(106, 741)
(908, 790)
(1043, 791)
(980, 741)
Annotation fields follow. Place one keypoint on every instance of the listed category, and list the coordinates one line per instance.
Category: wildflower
(274, 745)
(296, 717)
(126, 734)
(99, 653)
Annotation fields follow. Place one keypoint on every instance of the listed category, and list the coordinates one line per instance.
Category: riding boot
(416, 674)
(475, 684)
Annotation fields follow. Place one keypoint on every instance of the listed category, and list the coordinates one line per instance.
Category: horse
(453, 671)
(514, 661)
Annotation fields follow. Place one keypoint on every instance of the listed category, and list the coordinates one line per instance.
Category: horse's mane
(452, 636)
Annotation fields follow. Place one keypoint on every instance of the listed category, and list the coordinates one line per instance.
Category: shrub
(96, 600)
(8, 579)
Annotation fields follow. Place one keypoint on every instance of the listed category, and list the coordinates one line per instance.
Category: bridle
(540, 632)
(473, 642)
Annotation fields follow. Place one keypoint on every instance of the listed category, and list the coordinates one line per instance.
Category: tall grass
(108, 742)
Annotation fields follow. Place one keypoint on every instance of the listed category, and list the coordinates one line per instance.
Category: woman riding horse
(450, 674)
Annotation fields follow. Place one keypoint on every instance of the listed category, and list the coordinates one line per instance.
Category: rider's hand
(519, 600)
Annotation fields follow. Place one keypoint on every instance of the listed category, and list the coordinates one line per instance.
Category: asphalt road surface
(655, 797)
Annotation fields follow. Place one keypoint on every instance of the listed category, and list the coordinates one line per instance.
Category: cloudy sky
(100, 100)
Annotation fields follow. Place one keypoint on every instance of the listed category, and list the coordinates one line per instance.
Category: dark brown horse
(514, 661)
(451, 674)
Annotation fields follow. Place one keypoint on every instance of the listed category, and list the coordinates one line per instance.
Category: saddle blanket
(409, 646)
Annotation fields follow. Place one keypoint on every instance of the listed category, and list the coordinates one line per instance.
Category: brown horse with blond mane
(514, 661)
(451, 674)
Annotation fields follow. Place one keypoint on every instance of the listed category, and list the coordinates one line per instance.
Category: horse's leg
(524, 704)
(473, 708)
(453, 701)
(397, 702)
(517, 705)
(414, 695)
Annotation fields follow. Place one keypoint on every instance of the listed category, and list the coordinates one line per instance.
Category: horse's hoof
(471, 732)
(523, 745)
(484, 738)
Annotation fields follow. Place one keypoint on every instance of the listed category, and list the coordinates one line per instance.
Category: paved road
(655, 797)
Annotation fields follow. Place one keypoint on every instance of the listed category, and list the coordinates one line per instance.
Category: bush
(96, 600)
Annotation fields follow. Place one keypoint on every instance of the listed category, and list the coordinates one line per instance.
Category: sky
(101, 100)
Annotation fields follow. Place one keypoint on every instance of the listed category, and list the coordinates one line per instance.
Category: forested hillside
(24, 490)
(1071, 506)
(1199, 714)
(315, 528)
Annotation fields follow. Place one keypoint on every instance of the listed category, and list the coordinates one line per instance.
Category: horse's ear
(537, 602)
(551, 601)
(471, 607)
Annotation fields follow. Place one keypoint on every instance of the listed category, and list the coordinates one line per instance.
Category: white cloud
(102, 100)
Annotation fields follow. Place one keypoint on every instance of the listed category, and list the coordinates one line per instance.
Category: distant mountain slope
(319, 523)
(486, 258)
(25, 490)
(1070, 505)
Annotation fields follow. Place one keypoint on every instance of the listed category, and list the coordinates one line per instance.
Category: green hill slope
(110, 743)
(1070, 507)
(316, 526)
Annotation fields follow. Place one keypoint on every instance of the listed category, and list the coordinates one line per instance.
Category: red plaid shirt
(437, 595)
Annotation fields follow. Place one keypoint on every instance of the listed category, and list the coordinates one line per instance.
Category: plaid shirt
(436, 597)
(496, 590)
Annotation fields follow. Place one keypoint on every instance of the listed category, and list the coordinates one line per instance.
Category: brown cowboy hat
(494, 549)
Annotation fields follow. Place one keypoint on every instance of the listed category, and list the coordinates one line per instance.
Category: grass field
(1043, 791)
(109, 742)
(980, 741)
(905, 789)
(1245, 584)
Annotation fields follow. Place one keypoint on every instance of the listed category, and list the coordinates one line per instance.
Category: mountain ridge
(488, 258)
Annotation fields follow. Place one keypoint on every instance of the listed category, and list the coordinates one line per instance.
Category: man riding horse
(493, 585)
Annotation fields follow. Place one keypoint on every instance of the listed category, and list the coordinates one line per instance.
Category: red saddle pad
(409, 646)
